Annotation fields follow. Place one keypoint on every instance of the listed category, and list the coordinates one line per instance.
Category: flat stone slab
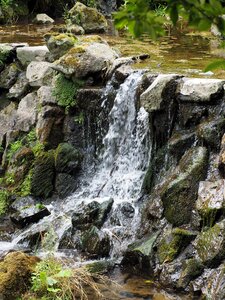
(28, 54)
(200, 89)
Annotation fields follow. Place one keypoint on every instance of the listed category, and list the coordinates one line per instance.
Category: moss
(25, 187)
(4, 197)
(67, 158)
(191, 269)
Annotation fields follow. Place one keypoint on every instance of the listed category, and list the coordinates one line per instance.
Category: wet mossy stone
(179, 192)
(101, 267)
(95, 243)
(6, 52)
(67, 159)
(211, 132)
(43, 175)
(210, 245)
(221, 165)
(172, 243)
(191, 269)
(65, 184)
(92, 214)
(9, 76)
(137, 258)
(15, 273)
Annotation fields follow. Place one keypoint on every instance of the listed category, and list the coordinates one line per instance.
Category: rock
(210, 245)
(211, 200)
(75, 29)
(122, 73)
(39, 73)
(65, 185)
(24, 155)
(191, 268)
(6, 54)
(89, 99)
(170, 274)
(28, 54)
(93, 213)
(26, 114)
(179, 192)
(122, 215)
(191, 114)
(43, 175)
(138, 256)
(67, 159)
(20, 88)
(200, 89)
(43, 19)
(172, 243)
(90, 19)
(9, 76)
(7, 120)
(49, 127)
(28, 211)
(222, 157)
(59, 44)
(211, 132)
(95, 243)
(85, 59)
(45, 95)
(153, 98)
(15, 274)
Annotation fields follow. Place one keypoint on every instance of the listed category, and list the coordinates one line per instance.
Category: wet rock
(200, 89)
(15, 273)
(43, 175)
(122, 73)
(58, 45)
(20, 88)
(6, 54)
(170, 274)
(101, 267)
(191, 268)
(179, 192)
(138, 257)
(45, 95)
(26, 114)
(65, 185)
(210, 245)
(28, 54)
(95, 243)
(89, 99)
(7, 120)
(172, 243)
(67, 159)
(123, 214)
(153, 98)
(89, 18)
(24, 155)
(222, 157)
(43, 19)
(9, 76)
(75, 29)
(86, 59)
(191, 114)
(211, 200)
(49, 127)
(211, 132)
(39, 73)
(93, 213)
(28, 211)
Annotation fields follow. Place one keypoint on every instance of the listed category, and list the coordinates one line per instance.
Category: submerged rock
(200, 89)
(89, 18)
(15, 273)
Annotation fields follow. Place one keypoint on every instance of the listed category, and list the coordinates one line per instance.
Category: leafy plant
(4, 195)
(65, 91)
(13, 148)
(25, 187)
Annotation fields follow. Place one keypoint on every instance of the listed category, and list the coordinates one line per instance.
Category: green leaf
(65, 273)
(219, 64)
(52, 290)
(51, 281)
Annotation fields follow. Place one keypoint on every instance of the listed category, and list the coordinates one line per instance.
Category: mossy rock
(6, 52)
(67, 159)
(43, 175)
(89, 18)
(179, 193)
(172, 243)
(15, 273)
(210, 245)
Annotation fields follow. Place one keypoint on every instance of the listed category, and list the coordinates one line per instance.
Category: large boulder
(89, 18)
(179, 192)
(15, 273)
(200, 89)
(86, 59)
(39, 73)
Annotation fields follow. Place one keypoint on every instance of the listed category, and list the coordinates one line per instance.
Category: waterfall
(121, 169)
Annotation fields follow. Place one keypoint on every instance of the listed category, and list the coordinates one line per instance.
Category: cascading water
(120, 172)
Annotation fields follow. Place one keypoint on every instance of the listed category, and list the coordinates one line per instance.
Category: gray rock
(152, 99)
(65, 185)
(86, 59)
(43, 19)
(19, 88)
(222, 157)
(7, 120)
(28, 54)
(89, 18)
(75, 29)
(39, 73)
(45, 95)
(200, 89)
(9, 76)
